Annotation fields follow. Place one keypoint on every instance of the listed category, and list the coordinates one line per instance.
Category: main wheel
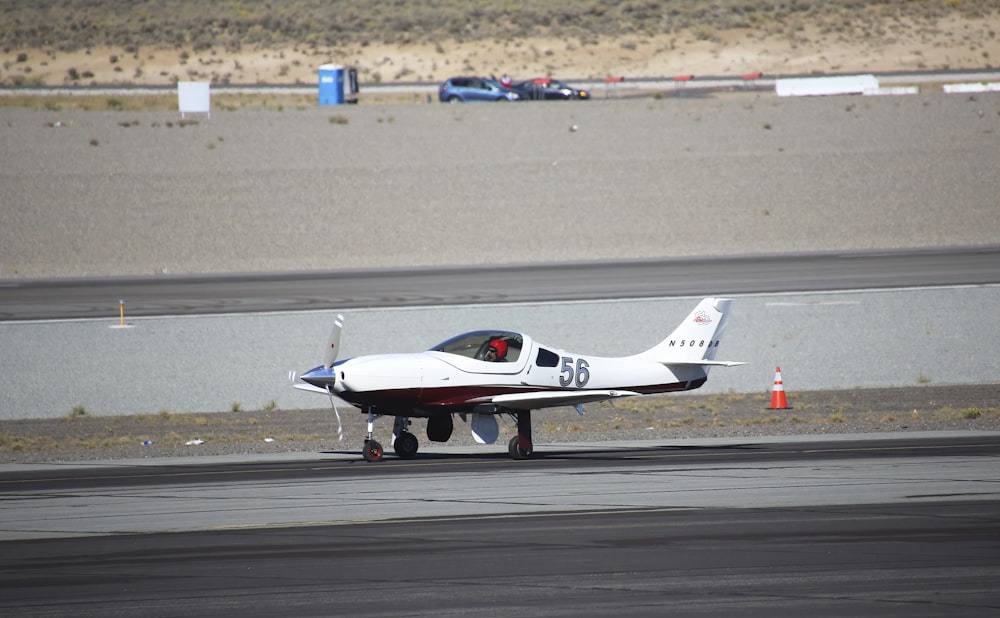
(515, 450)
(372, 451)
(406, 445)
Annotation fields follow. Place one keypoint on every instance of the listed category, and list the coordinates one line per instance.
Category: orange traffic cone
(778, 401)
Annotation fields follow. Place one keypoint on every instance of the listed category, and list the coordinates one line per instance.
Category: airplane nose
(322, 377)
(381, 372)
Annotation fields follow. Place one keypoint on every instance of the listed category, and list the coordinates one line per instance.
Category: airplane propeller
(333, 343)
(323, 381)
(329, 358)
(336, 412)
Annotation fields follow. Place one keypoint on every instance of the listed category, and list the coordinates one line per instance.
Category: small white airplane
(481, 374)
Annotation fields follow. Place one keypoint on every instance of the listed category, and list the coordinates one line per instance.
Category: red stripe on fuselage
(423, 401)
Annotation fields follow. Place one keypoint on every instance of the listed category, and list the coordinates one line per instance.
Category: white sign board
(193, 97)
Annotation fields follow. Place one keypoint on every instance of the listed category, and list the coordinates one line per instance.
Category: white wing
(552, 399)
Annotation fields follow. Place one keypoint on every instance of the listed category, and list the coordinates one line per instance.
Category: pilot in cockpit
(496, 352)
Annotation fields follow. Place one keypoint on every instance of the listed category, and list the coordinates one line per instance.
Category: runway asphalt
(864, 526)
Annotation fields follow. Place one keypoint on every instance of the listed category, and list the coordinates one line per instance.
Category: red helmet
(500, 346)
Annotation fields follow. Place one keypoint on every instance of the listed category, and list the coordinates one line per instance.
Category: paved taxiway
(97, 298)
(880, 525)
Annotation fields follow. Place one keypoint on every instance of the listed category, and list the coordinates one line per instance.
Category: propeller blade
(340, 426)
(333, 344)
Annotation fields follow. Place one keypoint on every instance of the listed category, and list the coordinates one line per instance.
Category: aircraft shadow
(607, 454)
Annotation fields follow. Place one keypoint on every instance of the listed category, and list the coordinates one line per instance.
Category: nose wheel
(372, 451)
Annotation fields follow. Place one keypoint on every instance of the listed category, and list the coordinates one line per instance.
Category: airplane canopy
(474, 344)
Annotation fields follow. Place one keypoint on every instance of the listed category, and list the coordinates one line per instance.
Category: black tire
(406, 445)
(514, 448)
(372, 451)
(454, 99)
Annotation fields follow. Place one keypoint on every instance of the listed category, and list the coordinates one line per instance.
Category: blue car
(466, 89)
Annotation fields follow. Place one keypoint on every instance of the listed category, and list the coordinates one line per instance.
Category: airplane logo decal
(480, 375)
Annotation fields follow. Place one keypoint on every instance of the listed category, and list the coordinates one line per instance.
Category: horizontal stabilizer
(552, 399)
(703, 363)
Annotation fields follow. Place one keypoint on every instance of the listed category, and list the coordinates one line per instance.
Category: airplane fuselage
(425, 383)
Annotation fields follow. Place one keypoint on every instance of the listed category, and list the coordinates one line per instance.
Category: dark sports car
(543, 89)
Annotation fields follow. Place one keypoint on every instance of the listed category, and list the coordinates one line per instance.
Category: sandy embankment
(903, 45)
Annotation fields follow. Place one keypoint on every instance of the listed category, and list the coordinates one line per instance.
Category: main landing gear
(520, 446)
(404, 443)
(439, 429)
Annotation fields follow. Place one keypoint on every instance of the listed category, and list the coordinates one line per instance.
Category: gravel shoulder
(372, 186)
(920, 408)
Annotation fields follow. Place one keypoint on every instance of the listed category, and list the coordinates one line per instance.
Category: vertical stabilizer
(696, 340)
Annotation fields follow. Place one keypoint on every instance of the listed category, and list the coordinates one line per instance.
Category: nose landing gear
(372, 450)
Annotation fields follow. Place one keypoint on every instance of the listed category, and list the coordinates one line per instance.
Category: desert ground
(371, 186)
(948, 43)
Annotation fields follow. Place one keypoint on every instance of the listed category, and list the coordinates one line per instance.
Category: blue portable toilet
(331, 84)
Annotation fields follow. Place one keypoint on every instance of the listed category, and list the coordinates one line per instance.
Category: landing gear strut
(404, 443)
(372, 450)
(520, 446)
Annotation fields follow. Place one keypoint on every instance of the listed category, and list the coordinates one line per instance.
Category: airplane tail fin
(696, 341)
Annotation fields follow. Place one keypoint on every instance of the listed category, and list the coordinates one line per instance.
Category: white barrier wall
(974, 87)
(822, 86)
